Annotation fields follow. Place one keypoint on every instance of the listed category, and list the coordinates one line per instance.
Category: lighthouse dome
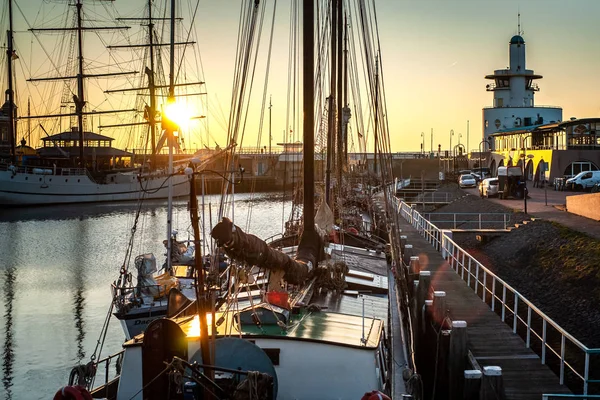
(517, 40)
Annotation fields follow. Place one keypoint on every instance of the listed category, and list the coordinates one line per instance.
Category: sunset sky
(435, 56)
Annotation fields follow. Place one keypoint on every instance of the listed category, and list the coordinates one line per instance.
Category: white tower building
(514, 88)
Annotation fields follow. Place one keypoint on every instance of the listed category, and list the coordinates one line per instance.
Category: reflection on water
(8, 352)
(57, 264)
(9, 276)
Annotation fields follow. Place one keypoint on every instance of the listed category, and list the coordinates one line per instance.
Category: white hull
(29, 188)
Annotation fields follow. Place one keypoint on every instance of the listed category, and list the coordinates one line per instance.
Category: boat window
(273, 355)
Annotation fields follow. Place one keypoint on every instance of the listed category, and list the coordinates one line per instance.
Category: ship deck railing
(42, 170)
(562, 352)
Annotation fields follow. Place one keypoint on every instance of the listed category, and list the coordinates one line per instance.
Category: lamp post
(431, 144)
(480, 161)
(524, 141)
(422, 142)
(459, 136)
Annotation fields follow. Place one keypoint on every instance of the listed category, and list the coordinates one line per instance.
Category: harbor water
(57, 264)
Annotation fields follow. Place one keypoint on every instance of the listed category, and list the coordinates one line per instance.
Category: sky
(435, 54)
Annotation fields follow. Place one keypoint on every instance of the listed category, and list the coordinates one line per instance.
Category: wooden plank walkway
(491, 341)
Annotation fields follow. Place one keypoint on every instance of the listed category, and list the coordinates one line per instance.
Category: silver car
(489, 187)
(466, 181)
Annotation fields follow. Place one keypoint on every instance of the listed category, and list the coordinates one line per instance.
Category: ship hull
(29, 188)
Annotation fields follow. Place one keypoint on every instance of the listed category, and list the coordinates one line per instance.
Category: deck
(491, 341)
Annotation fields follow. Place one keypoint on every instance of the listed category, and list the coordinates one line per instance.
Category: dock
(491, 342)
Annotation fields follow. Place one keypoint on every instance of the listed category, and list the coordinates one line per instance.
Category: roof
(517, 40)
(74, 135)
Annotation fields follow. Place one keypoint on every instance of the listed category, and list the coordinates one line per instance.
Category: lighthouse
(514, 89)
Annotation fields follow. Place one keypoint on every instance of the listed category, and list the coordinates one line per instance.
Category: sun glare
(179, 113)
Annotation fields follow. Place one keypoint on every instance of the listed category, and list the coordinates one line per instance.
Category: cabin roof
(74, 135)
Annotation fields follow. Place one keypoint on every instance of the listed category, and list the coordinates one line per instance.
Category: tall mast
(346, 110)
(339, 55)
(11, 96)
(331, 109)
(152, 111)
(376, 112)
(270, 136)
(79, 99)
(309, 117)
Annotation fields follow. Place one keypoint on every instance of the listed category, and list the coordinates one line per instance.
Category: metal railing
(469, 220)
(573, 357)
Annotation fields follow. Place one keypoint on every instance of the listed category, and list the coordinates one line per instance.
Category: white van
(583, 180)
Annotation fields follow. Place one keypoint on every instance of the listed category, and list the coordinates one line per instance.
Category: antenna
(519, 31)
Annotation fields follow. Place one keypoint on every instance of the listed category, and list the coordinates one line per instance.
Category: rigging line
(237, 105)
(189, 32)
(262, 113)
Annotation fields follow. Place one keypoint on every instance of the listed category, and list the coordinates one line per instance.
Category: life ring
(375, 395)
(73, 393)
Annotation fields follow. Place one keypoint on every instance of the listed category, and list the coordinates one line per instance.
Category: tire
(578, 187)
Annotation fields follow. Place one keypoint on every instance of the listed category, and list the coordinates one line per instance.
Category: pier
(502, 327)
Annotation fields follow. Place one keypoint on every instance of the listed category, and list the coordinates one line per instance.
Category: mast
(346, 110)
(152, 111)
(79, 99)
(331, 109)
(309, 117)
(376, 112)
(11, 96)
(339, 55)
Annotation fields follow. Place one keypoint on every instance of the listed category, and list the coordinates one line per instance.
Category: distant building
(517, 130)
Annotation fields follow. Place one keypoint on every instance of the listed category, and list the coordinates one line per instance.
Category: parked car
(489, 187)
(583, 180)
(477, 177)
(466, 180)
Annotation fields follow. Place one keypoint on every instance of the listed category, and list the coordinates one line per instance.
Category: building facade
(519, 133)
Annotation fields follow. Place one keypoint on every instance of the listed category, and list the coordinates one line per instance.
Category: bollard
(457, 359)
(414, 267)
(472, 385)
(439, 307)
(408, 252)
(402, 242)
(492, 386)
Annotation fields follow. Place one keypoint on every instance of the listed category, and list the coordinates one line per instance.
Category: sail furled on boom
(247, 248)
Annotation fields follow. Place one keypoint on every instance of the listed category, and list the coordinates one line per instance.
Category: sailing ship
(323, 323)
(78, 165)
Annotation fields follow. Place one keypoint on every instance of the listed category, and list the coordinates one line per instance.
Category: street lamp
(422, 142)
(480, 161)
(524, 141)
(459, 136)
(451, 134)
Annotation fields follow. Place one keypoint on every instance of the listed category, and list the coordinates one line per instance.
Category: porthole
(40, 179)
(78, 180)
(66, 180)
(26, 178)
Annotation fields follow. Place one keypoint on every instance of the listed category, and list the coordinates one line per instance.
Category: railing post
(484, 286)
(479, 220)
(544, 326)
(476, 277)
(505, 221)
(503, 302)
(586, 373)
(469, 275)
(562, 359)
(454, 220)
(494, 293)
(528, 343)
(462, 273)
(516, 312)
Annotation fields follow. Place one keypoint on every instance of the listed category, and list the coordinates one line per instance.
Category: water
(56, 266)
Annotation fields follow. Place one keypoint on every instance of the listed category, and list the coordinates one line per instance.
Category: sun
(179, 113)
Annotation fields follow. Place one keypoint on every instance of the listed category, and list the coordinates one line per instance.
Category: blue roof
(517, 40)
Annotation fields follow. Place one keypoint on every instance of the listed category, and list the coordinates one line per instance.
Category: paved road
(549, 204)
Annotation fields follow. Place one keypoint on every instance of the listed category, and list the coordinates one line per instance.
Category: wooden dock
(491, 341)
